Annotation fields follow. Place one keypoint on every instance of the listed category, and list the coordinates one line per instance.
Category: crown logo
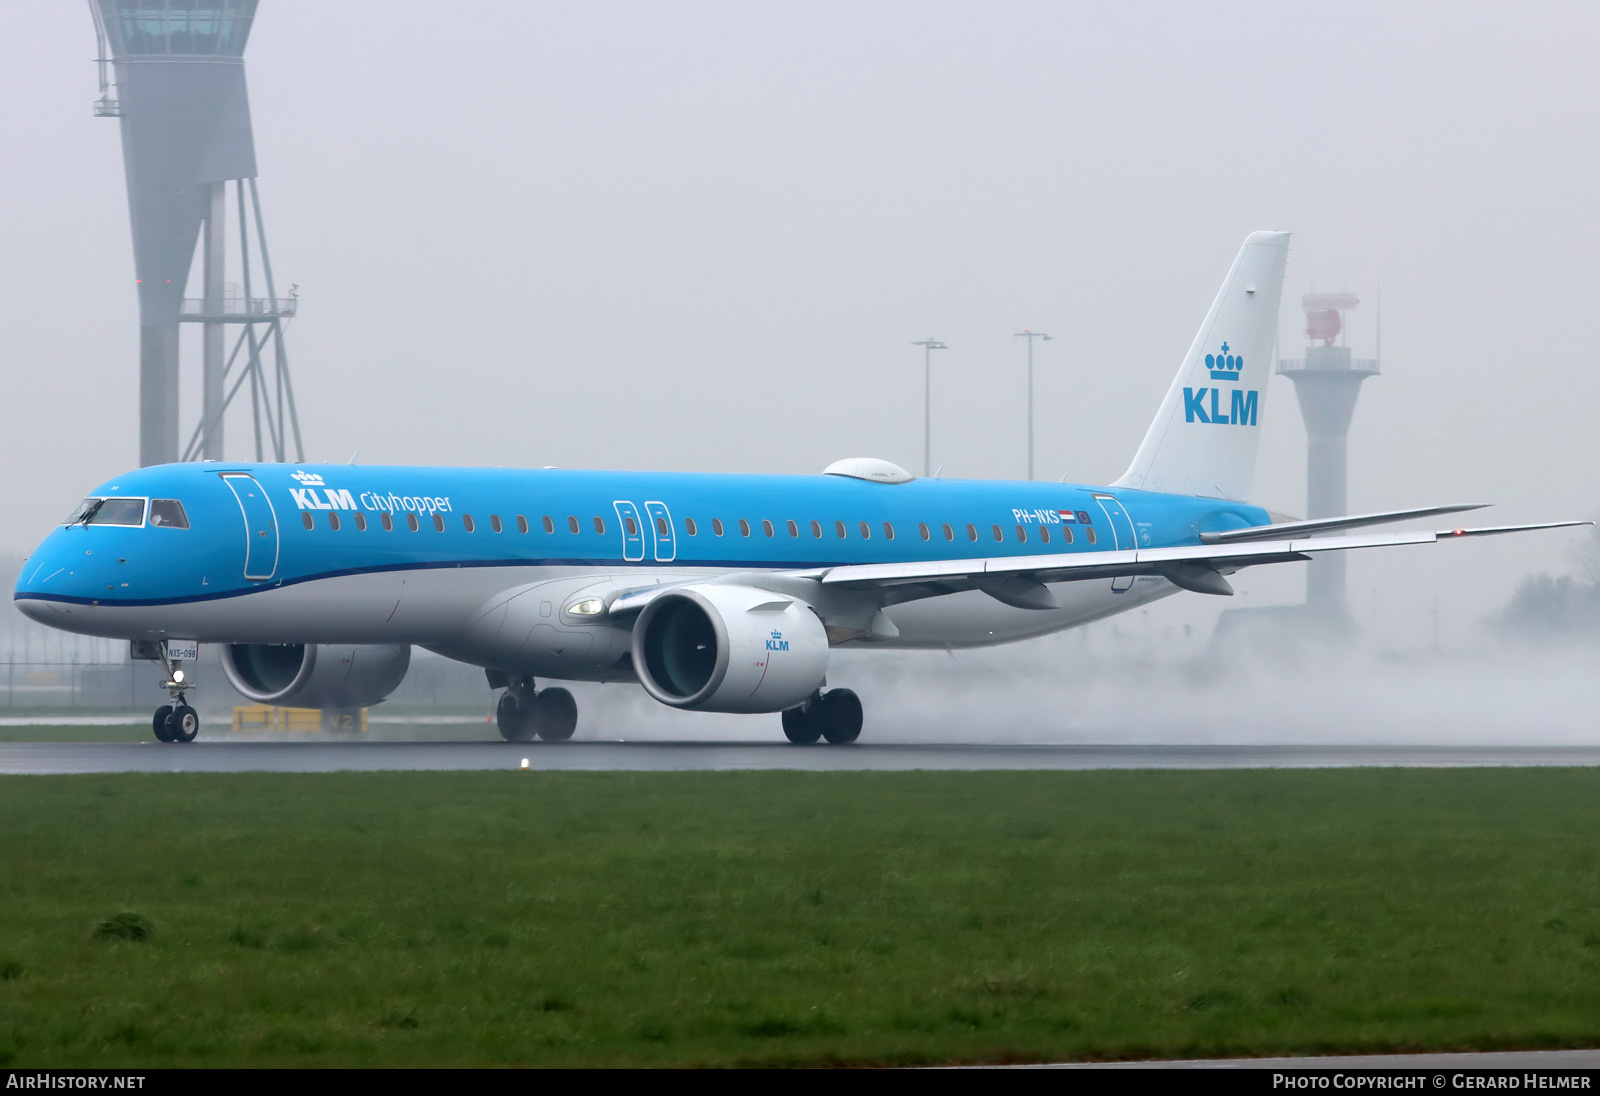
(776, 634)
(1225, 366)
(308, 479)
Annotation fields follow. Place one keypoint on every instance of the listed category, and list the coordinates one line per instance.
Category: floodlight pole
(1030, 336)
(929, 345)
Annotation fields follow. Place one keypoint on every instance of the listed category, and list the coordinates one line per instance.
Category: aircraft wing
(1019, 580)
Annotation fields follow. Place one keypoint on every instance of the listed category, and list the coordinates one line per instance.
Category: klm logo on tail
(1205, 404)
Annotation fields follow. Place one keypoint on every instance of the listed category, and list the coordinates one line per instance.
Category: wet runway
(257, 756)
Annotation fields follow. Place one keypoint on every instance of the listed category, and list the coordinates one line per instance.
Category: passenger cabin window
(1066, 535)
(387, 521)
(794, 530)
(494, 523)
(972, 531)
(744, 528)
(1022, 534)
(838, 527)
(466, 522)
(999, 534)
(305, 519)
(633, 527)
(888, 530)
(411, 521)
(716, 526)
(866, 531)
(600, 525)
(1088, 534)
(949, 533)
(661, 528)
(1044, 535)
(168, 514)
(361, 522)
(572, 523)
(549, 525)
(333, 521)
(688, 525)
(922, 528)
(816, 529)
(766, 526)
(438, 522)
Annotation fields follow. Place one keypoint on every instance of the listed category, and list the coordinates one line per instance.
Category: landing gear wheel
(554, 716)
(840, 713)
(184, 723)
(801, 726)
(158, 723)
(513, 720)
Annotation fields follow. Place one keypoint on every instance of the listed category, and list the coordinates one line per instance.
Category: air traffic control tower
(179, 92)
(1327, 380)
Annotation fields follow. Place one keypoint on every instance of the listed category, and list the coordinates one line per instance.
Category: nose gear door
(260, 525)
(1122, 531)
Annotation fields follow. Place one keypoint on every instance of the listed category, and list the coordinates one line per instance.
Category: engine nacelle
(729, 649)
(311, 675)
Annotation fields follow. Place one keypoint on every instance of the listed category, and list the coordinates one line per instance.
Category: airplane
(716, 593)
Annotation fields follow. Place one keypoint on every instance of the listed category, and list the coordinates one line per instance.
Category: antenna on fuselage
(354, 455)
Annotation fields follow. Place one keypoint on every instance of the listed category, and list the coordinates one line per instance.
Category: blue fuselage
(354, 543)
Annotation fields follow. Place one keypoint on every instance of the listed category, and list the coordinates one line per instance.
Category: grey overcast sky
(703, 235)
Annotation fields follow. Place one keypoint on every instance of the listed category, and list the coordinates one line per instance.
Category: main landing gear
(175, 722)
(834, 715)
(525, 714)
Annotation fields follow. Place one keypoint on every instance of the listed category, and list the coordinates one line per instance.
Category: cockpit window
(108, 512)
(168, 514)
(81, 509)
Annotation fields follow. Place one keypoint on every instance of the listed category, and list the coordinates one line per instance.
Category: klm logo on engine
(777, 642)
(1206, 404)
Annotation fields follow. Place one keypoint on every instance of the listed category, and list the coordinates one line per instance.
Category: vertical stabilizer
(1204, 439)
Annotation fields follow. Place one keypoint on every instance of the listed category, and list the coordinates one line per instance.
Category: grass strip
(784, 918)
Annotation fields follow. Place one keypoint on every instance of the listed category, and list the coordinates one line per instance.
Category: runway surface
(257, 756)
(1545, 1060)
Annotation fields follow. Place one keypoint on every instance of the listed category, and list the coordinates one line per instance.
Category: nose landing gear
(524, 713)
(175, 722)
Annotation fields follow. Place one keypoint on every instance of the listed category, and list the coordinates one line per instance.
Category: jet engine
(311, 675)
(715, 648)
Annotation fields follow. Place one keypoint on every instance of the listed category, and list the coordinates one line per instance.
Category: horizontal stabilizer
(1282, 529)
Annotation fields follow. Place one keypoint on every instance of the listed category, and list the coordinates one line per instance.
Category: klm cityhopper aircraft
(715, 593)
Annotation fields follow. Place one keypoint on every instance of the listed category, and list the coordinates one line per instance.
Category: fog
(703, 236)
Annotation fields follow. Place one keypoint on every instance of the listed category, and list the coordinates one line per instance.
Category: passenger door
(1122, 533)
(260, 526)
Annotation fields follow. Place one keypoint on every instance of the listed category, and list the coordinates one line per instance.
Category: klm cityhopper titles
(716, 593)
